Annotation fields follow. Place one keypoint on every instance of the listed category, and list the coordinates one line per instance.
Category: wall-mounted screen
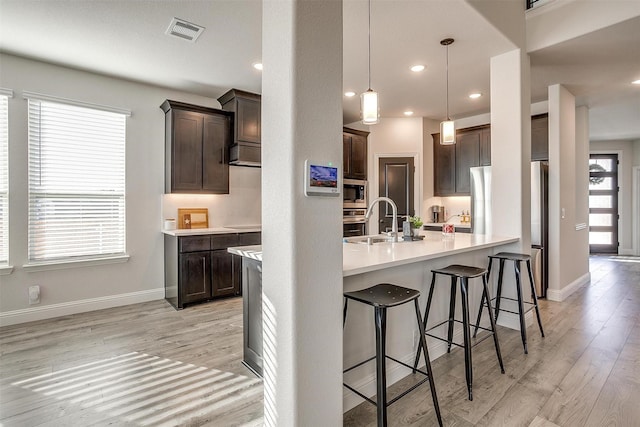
(322, 179)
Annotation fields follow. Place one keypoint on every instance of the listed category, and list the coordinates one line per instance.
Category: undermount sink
(369, 240)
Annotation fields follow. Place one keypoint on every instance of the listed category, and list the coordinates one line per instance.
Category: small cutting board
(193, 218)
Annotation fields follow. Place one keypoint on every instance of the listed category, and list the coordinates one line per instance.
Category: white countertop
(215, 230)
(253, 252)
(360, 258)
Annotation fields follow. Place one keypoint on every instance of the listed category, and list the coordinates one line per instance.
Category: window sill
(86, 262)
(6, 270)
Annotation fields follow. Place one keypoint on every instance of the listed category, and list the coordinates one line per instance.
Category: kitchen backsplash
(242, 206)
(452, 205)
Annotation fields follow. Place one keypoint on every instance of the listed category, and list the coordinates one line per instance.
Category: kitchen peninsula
(407, 264)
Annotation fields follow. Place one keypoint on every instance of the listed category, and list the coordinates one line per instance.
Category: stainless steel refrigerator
(481, 216)
(540, 225)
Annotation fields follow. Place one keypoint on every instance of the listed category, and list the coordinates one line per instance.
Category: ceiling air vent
(185, 30)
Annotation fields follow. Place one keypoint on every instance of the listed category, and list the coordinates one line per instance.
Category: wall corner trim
(31, 314)
(560, 295)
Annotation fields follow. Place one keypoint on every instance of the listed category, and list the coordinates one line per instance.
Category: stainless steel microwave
(354, 194)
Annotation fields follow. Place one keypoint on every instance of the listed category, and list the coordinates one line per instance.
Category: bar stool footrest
(404, 393)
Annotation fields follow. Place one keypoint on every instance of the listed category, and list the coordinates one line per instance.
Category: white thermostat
(322, 179)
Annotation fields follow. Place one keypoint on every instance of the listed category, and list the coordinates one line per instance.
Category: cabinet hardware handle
(204, 276)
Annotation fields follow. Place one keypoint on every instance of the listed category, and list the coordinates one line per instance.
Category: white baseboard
(626, 252)
(562, 294)
(81, 306)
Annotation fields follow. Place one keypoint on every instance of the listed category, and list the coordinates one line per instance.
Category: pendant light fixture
(369, 99)
(447, 127)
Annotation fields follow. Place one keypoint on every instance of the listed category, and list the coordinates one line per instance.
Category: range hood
(244, 154)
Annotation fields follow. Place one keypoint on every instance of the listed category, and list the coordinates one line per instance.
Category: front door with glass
(603, 203)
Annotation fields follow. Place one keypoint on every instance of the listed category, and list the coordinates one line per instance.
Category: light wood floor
(147, 364)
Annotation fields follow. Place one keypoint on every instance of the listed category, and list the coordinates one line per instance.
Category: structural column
(301, 236)
(511, 147)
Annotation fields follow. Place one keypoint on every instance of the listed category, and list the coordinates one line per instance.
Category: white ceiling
(126, 38)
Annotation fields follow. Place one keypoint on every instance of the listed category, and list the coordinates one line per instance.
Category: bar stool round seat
(382, 297)
(461, 274)
(517, 258)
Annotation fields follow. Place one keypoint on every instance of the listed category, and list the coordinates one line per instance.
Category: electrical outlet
(34, 294)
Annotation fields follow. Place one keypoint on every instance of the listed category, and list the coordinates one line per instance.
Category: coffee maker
(437, 213)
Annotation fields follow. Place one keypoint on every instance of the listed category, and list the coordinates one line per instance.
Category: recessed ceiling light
(636, 82)
(475, 95)
(257, 65)
(408, 113)
(349, 94)
(417, 68)
(184, 30)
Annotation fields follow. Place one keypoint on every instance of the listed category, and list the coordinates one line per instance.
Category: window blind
(76, 181)
(4, 179)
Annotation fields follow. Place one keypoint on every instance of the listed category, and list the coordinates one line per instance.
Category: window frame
(97, 257)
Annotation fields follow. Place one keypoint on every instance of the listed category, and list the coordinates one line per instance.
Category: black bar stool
(517, 259)
(381, 297)
(464, 273)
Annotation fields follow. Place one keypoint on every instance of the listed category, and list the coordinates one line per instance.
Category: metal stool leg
(534, 297)
(381, 374)
(424, 322)
(344, 312)
(482, 300)
(499, 293)
(466, 332)
(493, 325)
(523, 326)
(423, 344)
(452, 311)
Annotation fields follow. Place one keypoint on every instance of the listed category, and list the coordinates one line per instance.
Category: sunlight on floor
(145, 389)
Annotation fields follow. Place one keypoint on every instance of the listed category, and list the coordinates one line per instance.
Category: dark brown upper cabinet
(354, 153)
(451, 163)
(247, 126)
(540, 137)
(197, 141)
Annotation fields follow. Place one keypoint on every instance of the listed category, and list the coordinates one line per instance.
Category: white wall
(626, 156)
(141, 278)
(395, 137)
(568, 260)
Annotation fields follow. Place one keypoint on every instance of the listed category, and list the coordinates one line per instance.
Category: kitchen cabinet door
(354, 154)
(223, 274)
(248, 120)
(359, 157)
(186, 152)
(346, 155)
(216, 139)
(195, 277)
(444, 168)
(540, 137)
(467, 156)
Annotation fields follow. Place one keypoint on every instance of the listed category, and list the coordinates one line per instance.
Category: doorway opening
(603, 204)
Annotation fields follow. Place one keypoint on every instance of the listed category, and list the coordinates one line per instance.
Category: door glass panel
(600, 183)
(600, 238)
(600, 201)
(600, 220)
(603, 165)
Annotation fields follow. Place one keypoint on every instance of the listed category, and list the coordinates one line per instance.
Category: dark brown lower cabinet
(199, 268)
(195, 276)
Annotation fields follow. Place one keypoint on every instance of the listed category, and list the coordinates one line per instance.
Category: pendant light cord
(448, 82)
(369, 45)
